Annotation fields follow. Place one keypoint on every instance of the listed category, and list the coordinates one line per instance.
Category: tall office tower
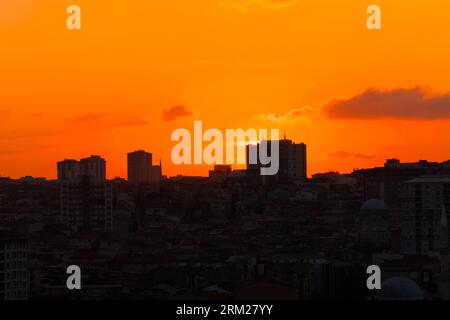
(94, 167)
(87, 204)
(292, 160)
(423, 200)
(68, 169)
(139, 167)
(14, 278)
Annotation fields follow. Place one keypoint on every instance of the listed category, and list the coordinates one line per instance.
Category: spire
(285, 135)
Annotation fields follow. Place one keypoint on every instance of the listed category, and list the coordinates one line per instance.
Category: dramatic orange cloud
(416, 103)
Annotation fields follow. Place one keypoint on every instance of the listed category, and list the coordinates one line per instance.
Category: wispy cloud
(88, 118)
(27, 135)
(105, 121)
(175, 112)
(348, 155)
(299, 115)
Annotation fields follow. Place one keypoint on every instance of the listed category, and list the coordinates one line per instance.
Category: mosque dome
(374, 204)
(400, 288)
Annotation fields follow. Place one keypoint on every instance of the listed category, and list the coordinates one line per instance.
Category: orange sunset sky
(139, 69)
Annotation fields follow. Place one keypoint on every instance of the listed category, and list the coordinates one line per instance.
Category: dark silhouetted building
(14, 278)
(386, 182)
(141, 168)
(68, 169)
(424, 199)
(156, 173)
(87, 204)
(85, 195)
(292, 160)
(94, 167)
